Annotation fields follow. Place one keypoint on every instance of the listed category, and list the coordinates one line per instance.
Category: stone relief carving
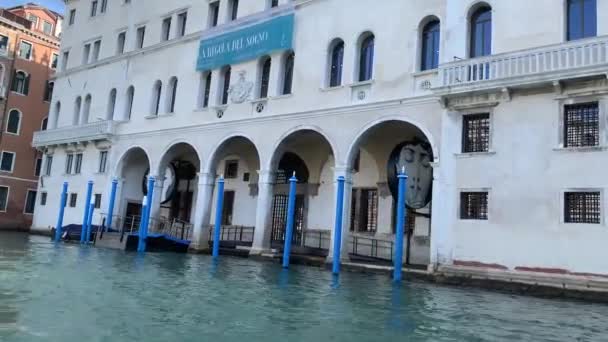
(241, 91)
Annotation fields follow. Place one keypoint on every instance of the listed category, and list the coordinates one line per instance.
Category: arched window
(2, 74)
(172, 95)
(481, 32)
(45, 124)
(76, 115)
(366, 57)
(205, 89)
(156, 93)
(21, 83)
(336, 62)
(55, 120)
(111, 105)
(582, 19)
(225, 84)
(430, 46)
(264, 72)
(129, 102)
(86, 110)
(288, 65)
(13, 124)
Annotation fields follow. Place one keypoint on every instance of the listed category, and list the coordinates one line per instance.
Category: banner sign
(246, 44)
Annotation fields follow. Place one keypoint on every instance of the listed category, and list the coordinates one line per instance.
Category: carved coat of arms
(241, 91)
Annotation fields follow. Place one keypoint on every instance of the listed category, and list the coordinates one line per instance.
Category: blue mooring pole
(146, 218)
(338, 226)
(62, 202)
(398, 262)
(219, 207)
(111, 205)
(90, 221)
(83, 230)
(291, 208)
(141, 245)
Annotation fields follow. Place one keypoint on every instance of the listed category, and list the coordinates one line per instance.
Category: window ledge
(262, 99)
(362, 83)
(201, 109)
(582, 149)
(220, 107)
(151, 117)
(425, 72)
(328, 89)
(474, 154)
(280, 97)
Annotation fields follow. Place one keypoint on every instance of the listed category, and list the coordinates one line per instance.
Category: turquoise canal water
(67, 293)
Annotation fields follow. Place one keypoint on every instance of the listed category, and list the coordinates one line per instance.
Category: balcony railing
(15, 18)
(560, 58)
(96, 131)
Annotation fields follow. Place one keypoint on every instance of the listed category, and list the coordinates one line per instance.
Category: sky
(55, 5)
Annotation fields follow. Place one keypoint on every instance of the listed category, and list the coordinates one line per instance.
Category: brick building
(29, 41)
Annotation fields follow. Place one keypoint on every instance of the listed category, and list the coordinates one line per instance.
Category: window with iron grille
(474, 205)
(364, 211)
(97, 201)
(43, 197)
(231, 169)
(582, 207)
(582, 125)
(73, 200)
(476, 133)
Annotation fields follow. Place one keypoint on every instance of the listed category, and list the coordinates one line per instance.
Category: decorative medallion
(426, 85)
(220, 113)
(361, 95)
(260, 107)
(241, 91)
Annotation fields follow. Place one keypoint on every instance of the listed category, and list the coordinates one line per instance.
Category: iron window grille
(97, 201)
(73, 200)
(582, 207)
(476, 133)
(474, 205)
(582, 125)
(43, 198)
(231, 170)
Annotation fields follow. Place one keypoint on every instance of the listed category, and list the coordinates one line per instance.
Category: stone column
(347, 173)
(274, 83)
(214, 91)
(156, 199)
(261, 236)
(202, 212)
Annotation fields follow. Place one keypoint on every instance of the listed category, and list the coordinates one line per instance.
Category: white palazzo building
(497, 109)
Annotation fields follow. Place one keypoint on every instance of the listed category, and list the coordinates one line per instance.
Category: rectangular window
(207, 91)
(34, 19)
(166, 29)
(3, 198)
(30, 202)
(3, 45)
(64, 60)
(214, 11)
(182, 19)
(25, 50)
(474, 205)
(96, 50)
(103, 161)
(476, 133)
(48, 165)
(43, 197)
(48, 91)
(7, 161)
(73, 200)
(234, 9)
(141, 35)
(364, 215)
(78, 164)
(38, 167)
(231, 169)
(86, 53)
(69, 162)
(228, 209)
(72, 17)
(120, 44)
(54, 58)
(582, 19)
(582, 207)
(582, 125)
(97, 201)
(274, 3)
(47, 27)
(93, 8)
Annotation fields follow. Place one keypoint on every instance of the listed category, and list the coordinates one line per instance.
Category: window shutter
(26, 85)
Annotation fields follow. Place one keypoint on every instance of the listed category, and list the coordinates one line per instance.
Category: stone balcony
(92, 132)
(547, 65)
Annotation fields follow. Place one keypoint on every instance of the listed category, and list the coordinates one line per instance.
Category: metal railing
(16, 18)
(371, 248)
(232, 236)
(552, 58)
(320, 239)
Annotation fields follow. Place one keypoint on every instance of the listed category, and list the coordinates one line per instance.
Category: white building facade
(497, 109)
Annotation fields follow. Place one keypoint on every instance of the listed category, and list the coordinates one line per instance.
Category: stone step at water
(111, 240)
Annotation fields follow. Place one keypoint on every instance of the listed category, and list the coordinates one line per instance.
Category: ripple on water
(69, 293)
